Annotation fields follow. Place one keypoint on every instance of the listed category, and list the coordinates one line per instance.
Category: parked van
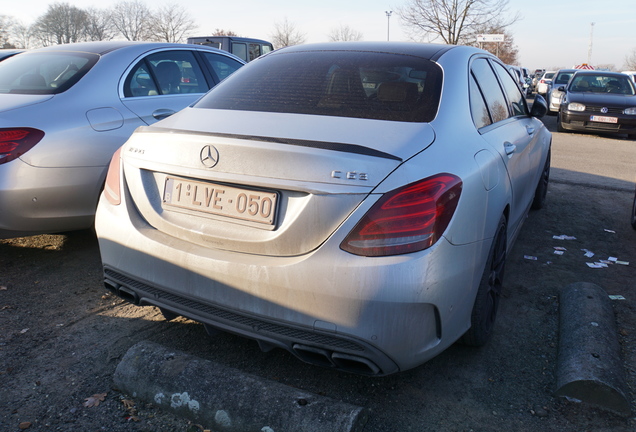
(246, 48)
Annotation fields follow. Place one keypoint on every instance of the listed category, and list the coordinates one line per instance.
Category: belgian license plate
(602, 119)
(237, 203)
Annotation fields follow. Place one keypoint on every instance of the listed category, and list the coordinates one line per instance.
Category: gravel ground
(62, 336)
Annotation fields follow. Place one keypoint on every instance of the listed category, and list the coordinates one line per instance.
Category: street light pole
(388, 21)
(589, 52)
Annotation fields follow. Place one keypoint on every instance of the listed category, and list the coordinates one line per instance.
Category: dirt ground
(62, 336)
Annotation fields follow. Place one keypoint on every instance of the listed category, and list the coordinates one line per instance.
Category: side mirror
(539, 107)
(562, 88)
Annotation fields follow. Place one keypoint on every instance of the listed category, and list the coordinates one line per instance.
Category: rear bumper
(45, 200)
(373, 316)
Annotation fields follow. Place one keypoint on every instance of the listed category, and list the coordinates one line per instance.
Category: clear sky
(551, 33)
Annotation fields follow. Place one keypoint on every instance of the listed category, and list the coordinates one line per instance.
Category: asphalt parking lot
(62, 335)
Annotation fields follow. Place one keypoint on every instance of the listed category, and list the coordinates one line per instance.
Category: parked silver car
(65, 109)
(353, 203)
(7, 53)
(554, 95)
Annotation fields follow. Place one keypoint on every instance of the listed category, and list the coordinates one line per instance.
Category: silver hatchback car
(65, 109)
(353, 203)
(554, 95)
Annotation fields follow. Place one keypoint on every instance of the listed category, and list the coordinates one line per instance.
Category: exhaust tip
(128, 295)
(340, 361)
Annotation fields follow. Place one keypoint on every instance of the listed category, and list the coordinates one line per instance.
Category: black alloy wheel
(634, 213)
(540, 194)
(486, 304)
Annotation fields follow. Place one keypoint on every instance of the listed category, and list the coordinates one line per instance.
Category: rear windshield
(44, 73)
(344, 84)
(563, 77)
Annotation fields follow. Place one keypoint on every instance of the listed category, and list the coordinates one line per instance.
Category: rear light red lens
(14, 142)
(409, 219)
(112, 190)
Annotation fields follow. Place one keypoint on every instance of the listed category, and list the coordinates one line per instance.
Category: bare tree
(453, 21)
(21, 35)
(171, 23)
(285, 34)
(6, 25)
(344, 33)
(131, 19)
(221, 32)
(61, 24)
(99, 25)
(607, 67)
(630, 60)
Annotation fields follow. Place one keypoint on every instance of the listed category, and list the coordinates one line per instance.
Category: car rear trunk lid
(267, 193)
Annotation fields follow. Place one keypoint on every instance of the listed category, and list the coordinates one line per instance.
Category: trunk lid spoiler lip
(325, 145)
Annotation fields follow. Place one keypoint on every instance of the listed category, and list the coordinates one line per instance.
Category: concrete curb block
(589, 365)
(224, 399)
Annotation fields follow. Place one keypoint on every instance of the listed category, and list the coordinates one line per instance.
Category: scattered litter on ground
(563, 237)
(560, 250)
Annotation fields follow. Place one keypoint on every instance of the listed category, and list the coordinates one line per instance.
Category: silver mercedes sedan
(65, 109)
(353, 203)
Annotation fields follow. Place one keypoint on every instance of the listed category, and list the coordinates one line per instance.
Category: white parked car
(352, 203)
(544, 83)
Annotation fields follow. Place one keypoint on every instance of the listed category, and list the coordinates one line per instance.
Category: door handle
(509, 148)
(530, 130)
(162, 113)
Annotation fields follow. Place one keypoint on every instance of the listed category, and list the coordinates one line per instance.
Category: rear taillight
(112, 190)
(14, 142)
(408, 219)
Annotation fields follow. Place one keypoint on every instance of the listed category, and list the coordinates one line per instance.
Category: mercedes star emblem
(209, 156)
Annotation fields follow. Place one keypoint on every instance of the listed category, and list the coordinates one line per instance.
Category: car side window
(164, 73)
(515, 97)
(478, 108)
(221, 65)
(140, 82)
(495, 100)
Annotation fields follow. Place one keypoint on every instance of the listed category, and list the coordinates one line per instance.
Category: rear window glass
(563, 78)
(44, 73)
(344, 84)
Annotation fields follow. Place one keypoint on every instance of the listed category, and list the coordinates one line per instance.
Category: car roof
(429, 51)
(104, 47)
(598, 72)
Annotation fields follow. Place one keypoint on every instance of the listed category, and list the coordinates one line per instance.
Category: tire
(560, 127)
(631, 137)
(484, 312)
(634, 213)
(541, 192)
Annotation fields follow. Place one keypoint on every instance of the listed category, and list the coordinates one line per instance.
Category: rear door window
(516, 100)
(165, 73)
(222, 66)
(478, 108)
(495, 99)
